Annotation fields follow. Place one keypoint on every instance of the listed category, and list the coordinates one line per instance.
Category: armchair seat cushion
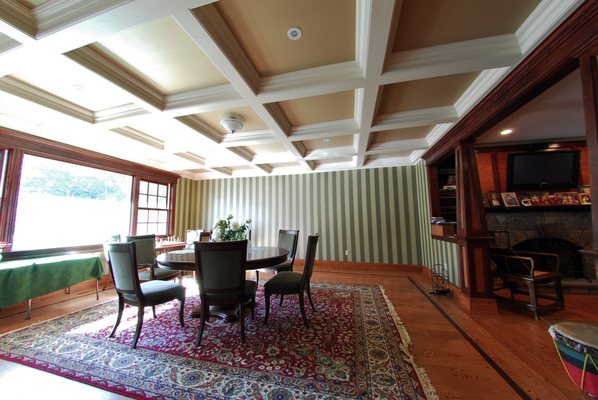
(282, 281)
(155, 291)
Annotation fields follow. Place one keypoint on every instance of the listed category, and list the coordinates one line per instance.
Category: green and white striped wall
(375, 215)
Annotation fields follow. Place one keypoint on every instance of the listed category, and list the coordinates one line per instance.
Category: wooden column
(472, 234)
(588, 66)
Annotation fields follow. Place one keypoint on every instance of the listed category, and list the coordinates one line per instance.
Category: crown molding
(226, 44)
(330, 152)
(416, 156)
(324, 129)
(118, 113)
(249, 139)
(93, 58)
(243, 153)
(190, 156)
(201, 127)
(311, 82)
(264, 167)
(43, 98)
(203, 100)
(410, 119)
(389, 147)
(139, 136)
(55, 15)
(545, 17)
(453, 58)
(19, 17)
(389, 162)
(224, 171)
(482, 85)
(437, 133)
(7, 43)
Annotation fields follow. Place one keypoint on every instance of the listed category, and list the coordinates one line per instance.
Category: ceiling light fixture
(294, 33)
(232, 122)
(506, 131)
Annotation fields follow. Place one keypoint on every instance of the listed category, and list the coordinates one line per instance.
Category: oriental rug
(355, 348)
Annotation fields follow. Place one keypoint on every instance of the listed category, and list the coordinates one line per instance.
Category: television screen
(543, 170)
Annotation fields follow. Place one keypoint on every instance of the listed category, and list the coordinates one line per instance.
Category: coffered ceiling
(370, 83)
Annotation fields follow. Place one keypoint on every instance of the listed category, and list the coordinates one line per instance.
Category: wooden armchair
(528, 276)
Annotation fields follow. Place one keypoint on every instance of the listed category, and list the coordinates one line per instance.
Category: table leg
(97, 289)
(28, 312)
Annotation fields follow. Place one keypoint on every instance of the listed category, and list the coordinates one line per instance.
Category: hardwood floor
(503, 355)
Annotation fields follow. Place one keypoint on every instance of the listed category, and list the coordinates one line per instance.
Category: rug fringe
(429, 389)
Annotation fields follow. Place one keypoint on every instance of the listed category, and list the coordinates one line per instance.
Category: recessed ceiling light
(506, 131)
(294, 33)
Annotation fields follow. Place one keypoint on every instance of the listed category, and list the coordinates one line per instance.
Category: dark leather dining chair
(288, 282)
(122, 259)
(146, 259)
(287, 239)
(220, 268)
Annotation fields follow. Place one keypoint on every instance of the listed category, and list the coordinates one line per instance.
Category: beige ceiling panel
(336, 141)
(418, 132)
(163, 54)
(261, 29)
(267, 148)
(424, 93)
(324, 108)
(251, 121)
(424, 23)
(70, 81)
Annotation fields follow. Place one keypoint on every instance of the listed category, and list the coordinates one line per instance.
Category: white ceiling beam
(330, 152)
(374, 25)
(324, 130)
(410, 119)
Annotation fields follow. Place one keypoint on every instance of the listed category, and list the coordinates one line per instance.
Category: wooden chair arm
(545, 261)
(522, 262)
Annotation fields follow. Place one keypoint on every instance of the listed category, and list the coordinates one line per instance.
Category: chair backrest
(220, 268)
(146, 249)
(288, 239)
(123, 268)
(192, 235)
(310, 258)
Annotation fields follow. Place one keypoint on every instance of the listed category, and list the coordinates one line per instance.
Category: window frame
(17, 144)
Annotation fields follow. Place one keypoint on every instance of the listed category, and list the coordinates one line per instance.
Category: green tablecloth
(25, 279)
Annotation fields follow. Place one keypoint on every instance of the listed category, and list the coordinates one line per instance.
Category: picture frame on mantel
(494, 199)
(585, 198)
(510, 199)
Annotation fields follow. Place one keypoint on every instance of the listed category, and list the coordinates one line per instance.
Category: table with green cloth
(22, 280)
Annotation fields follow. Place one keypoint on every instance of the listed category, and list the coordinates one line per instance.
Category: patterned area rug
(354, 348)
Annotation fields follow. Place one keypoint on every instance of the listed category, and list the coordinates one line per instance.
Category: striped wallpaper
(371, 215)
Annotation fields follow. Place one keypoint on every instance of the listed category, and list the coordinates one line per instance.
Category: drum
(577, 346)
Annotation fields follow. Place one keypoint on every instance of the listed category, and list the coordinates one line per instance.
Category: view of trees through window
(62, 204)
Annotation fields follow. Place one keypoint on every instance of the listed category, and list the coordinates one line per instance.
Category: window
(153, 208)
(62, 204)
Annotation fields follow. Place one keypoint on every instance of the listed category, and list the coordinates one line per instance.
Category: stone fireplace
(561, 232)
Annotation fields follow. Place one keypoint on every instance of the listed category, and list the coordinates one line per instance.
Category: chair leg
(154, 311)
(309, 298)
(267, 296)
(140, 310)
(559, 292)
(181, 311)
(253, 307)
(302, 307)
(281, 298)
(121, 307)
(257, 276)
(242, 322)
(202, 323)
(532, 297)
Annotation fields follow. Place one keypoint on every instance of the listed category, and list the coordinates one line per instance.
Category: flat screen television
(545, 170)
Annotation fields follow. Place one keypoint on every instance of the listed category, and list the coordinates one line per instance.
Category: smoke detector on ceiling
(294, 33)
(231, 122)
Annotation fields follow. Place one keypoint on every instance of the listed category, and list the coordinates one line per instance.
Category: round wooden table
(257, 257)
